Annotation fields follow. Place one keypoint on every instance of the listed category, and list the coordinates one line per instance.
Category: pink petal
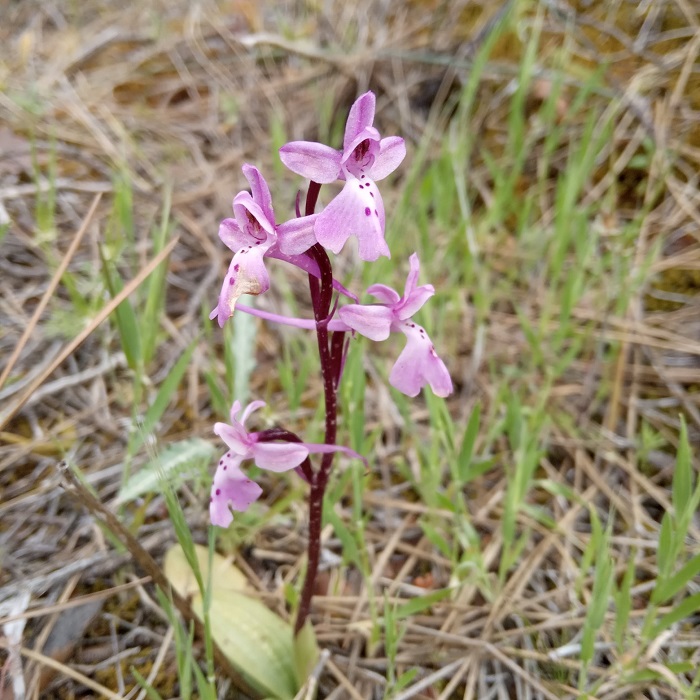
(392, 150)
(246, 275)
(231, 489)
(315, 448)
(374, 322)
(231, 235)
(259, 190)
(361, 116)
(235, 437)
(233, 413)
(418, 365)
(437, 375)
(414, 302)
(279, 456)
(413, 296)
(385, 294)
(412, 277)
(297, 235)
(250, 408)
(311, 160)
(357, 211)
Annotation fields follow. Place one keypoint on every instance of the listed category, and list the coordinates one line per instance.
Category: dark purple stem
(311, 198)
(321, 297)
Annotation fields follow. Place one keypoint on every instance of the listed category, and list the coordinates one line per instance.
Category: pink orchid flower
(358, 209)
(253, 235)
(232, 489)
(418, 364)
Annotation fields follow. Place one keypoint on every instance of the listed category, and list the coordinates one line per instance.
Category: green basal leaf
(225, 575)
(258, 643)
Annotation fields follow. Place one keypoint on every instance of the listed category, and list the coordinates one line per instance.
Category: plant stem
(321, 296)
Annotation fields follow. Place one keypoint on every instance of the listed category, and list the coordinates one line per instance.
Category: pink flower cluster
(254, 236)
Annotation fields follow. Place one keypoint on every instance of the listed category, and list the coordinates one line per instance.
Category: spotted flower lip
(418, 364)
(253, 235)
(366, 157)
(232, 489)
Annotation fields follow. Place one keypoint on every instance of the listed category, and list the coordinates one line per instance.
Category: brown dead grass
(169, 93)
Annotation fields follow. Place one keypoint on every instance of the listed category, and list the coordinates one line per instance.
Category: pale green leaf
(175, 463)
(226, 576)
(258, 643)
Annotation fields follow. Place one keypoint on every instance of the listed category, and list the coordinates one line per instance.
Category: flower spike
(253, 236)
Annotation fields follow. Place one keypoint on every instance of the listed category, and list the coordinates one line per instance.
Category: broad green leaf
(258, 643)
(226, 576)
(449, 504)
(648, 674)
(437, 539)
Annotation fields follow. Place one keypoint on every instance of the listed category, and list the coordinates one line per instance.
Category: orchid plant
(254, 236)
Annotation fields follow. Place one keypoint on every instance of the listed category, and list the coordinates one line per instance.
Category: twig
(426, 682)
(77, 341)
(148, 565)
(50, 290)
(75, 602)
(66, 670)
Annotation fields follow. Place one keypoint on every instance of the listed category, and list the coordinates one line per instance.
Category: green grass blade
(125, 317)
(465, 468)
(687, 607)
(163, 397)
(155, 290)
